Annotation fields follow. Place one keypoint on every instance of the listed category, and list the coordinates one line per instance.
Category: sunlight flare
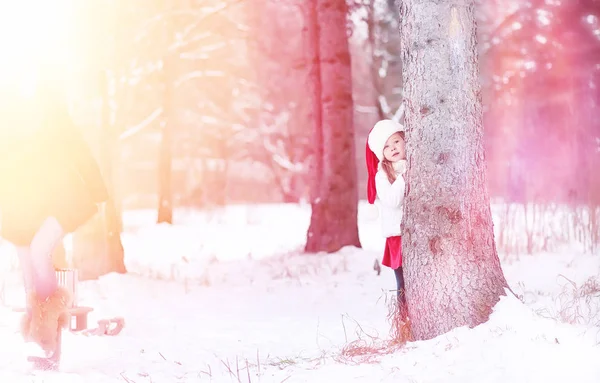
(35, 35)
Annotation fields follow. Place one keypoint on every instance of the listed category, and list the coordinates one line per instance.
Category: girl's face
(394, 149)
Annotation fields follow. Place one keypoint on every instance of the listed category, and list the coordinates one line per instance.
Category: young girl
(50, 184)
(386, 165)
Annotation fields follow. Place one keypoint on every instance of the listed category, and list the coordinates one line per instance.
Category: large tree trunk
(452, 270)
(334, 198)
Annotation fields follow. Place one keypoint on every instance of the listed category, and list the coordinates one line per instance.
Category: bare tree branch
(133, 130)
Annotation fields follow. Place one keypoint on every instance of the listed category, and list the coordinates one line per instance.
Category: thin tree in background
(452, 270)
(113, 213)
(165, 157)
(383, 44)
(334, 193)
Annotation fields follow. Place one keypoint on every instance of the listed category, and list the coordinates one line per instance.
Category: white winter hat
(380, 134)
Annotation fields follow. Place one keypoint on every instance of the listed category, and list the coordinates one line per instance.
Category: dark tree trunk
(97, 246)
(113, 220)
(452, 270)
(334, 194)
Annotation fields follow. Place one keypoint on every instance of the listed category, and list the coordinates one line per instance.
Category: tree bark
(334, 194)
(452, 271)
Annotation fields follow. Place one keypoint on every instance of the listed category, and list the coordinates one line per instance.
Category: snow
(225, 296)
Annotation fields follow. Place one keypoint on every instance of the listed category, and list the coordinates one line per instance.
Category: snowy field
(224, 296)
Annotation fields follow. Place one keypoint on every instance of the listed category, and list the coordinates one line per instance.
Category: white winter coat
(390, 198)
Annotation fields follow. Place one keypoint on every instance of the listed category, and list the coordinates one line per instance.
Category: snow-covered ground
(225, 296)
